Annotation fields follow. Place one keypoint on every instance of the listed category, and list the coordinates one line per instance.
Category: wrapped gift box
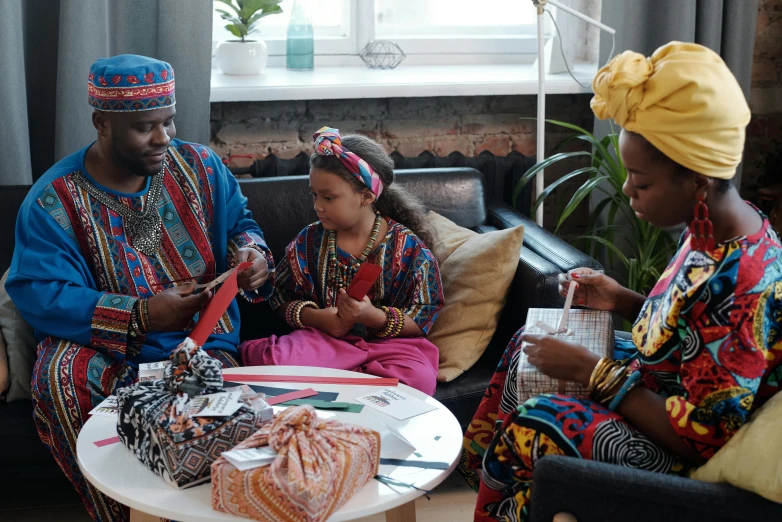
(593, 329)
(155, 424)
(319, 465)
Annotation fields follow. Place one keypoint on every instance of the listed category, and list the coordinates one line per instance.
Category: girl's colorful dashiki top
(410, 280)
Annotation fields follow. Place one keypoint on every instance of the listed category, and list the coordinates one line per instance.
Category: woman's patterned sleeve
(722, 365)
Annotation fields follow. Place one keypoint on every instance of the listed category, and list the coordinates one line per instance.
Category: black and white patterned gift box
(153, 424)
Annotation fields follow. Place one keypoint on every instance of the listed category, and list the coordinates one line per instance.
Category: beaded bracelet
(400, 322)
(395, 321)
(289, 313)
(628, 385)
(385, 332)
(297, 317)
(293, 313)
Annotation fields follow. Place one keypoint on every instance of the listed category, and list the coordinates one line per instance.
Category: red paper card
(217, 306)
(363, 280)
(290, 396)
(106, 442)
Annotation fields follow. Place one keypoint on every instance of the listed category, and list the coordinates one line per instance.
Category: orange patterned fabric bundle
(320, 464)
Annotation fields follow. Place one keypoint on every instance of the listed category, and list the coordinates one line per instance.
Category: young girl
(361, 220)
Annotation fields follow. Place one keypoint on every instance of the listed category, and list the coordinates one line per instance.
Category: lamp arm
(584, 17)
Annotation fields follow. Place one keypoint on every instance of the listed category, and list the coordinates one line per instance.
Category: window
(437, 18)
(331, 23)
(428, 31)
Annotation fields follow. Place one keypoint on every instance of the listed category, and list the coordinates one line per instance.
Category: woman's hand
(594, 289)
(560, 359)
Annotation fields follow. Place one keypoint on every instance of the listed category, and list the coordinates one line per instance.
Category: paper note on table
(107, 408)
(395, 403)
(392, 442)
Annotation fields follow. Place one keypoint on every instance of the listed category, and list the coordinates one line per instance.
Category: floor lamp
(541, 121)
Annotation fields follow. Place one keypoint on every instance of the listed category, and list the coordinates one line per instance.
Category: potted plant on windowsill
(244, 56)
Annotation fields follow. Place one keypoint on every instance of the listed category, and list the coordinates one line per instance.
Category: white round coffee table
(117, 473)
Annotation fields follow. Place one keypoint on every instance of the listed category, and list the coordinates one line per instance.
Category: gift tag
(151, 371)
(223, 404)
(244, 459)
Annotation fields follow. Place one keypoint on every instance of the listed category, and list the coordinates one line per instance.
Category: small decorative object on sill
(300, 55)
(244, 57)
(382, 54)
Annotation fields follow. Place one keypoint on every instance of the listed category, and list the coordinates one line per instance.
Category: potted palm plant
(244, 56)
(637, 252)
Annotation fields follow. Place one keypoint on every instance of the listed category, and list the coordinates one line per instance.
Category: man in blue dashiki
(107, 242)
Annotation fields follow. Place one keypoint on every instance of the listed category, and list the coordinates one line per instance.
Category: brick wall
(467, 124)
(764, 135)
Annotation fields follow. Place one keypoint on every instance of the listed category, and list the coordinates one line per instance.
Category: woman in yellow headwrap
(706, 348)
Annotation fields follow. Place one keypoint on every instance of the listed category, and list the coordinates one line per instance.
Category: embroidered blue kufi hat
(129, 83)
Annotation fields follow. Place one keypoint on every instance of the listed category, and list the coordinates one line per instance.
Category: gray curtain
(725, 26)
(48, 47)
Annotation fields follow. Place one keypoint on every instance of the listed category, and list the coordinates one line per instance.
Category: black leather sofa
(282, 207)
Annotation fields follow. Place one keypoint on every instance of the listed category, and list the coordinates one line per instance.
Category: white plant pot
(242, 58)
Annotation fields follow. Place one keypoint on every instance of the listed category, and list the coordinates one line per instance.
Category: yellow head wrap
(684, 100)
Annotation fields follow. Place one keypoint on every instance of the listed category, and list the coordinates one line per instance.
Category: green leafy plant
(246, 14)
(647, 249)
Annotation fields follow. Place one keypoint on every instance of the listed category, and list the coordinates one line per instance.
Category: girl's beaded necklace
(340, 274)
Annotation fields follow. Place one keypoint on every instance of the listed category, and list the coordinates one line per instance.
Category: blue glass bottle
(301, 43)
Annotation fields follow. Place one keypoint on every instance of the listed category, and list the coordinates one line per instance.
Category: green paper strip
(326, 405)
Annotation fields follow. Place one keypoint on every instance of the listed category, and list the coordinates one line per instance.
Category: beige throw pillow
(477, 270)
(20, 346)
(752, 458)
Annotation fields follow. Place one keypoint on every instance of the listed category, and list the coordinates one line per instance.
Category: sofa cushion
(477, 270)
(20, 345)
(28, 467)
(752, 458)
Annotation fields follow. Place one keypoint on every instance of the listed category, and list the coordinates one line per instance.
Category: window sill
(333, 82)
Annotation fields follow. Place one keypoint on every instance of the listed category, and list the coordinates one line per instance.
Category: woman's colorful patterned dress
(708, 339)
